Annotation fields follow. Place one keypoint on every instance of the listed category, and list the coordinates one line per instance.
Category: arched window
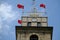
(33, 37)
(38, 24)
(29, 24)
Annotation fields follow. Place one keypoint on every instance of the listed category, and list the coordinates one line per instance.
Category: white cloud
(7, 15)
(0, 23)
(6, 12)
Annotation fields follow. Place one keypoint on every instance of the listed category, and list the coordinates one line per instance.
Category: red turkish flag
(42, 5)
(20, 6)
(19, 21)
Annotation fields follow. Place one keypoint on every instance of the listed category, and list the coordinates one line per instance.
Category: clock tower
(34, 27)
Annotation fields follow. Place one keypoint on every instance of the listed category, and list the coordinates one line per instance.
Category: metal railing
(34, 14)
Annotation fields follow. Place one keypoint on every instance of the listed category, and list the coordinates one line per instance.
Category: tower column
(18, 36)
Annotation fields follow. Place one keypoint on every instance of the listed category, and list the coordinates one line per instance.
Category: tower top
(35, 11)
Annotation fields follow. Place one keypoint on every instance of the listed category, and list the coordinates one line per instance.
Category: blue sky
(9, 14)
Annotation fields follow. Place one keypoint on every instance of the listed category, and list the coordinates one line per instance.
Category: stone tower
(34, 27)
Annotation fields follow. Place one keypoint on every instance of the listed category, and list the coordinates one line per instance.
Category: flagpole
(22, 12)
(44, 8)
(45, 11)
(22, 7)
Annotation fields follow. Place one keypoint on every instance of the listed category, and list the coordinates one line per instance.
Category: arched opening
(33, 37)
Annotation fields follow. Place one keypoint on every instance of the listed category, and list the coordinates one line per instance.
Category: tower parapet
(34, 20)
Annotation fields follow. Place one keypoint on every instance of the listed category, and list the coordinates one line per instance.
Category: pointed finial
(34, 7)
(33, 0)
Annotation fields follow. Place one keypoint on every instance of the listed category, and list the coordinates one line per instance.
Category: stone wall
(26, 36)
